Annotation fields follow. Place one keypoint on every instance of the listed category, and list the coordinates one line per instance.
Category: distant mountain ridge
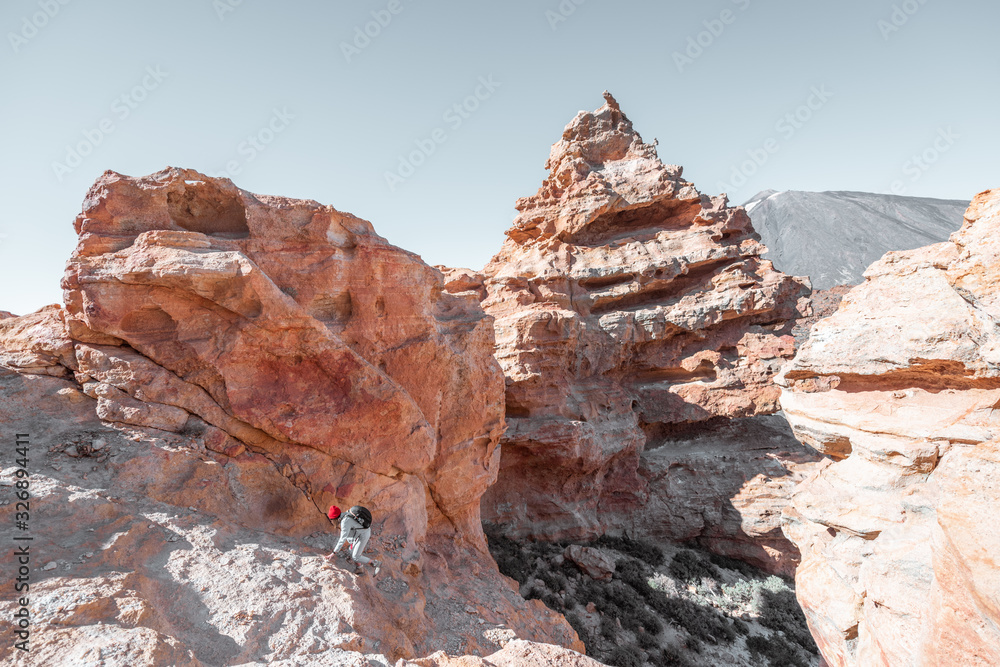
(832, 237)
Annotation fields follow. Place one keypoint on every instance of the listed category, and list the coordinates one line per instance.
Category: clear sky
(293, 98)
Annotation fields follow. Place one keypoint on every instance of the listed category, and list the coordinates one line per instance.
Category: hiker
(355, 531)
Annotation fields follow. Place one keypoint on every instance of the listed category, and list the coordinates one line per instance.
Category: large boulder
(899, 388)
(226, 366)
(628, 306)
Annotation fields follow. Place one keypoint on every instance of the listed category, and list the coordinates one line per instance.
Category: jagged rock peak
(601, 136)
(627, 304)
(602, 179)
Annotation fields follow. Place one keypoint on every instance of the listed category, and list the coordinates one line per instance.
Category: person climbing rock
(355, 531)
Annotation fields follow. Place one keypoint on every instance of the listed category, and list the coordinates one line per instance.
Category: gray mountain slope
(832, 237)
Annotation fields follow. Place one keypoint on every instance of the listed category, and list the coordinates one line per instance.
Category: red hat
(334, 512)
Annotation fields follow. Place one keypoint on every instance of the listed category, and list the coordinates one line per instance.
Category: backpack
(361, 515)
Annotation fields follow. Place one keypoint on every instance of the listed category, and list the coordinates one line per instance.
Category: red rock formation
(900, 387)
(281, 314)
(627, 304)
(314, 361)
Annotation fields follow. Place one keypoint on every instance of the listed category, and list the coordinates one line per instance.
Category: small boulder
(594, 563)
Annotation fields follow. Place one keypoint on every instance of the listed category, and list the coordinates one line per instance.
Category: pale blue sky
(229, 69)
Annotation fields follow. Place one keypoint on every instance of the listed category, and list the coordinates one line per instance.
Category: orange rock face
(900, 387)
(290, 343)
(627, 305)
(338, 351)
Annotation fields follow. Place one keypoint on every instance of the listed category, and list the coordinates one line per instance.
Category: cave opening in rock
(204, 207)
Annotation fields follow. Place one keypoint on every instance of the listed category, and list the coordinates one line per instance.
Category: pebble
(98, 444)
(51, 565)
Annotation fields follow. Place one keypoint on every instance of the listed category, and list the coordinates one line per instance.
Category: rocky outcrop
(723, 485)
(274, 320)
(900, 389)
(627, 305)
(272, 357)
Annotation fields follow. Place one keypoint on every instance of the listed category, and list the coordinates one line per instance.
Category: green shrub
(544, 549)
(554, 579)
(508, 554)
(778, 651)
(670, 657)
(743, 596)
(776, 584)
(741, 627)
(626, 656)
(702, 623)
(756, 645)
(689, 567)
(552, 601)
(663, 583)
(633, 573)
(746, 569)
(780, 611)
(647, 640)
(609, 629)
(644, 551)
(576, 623)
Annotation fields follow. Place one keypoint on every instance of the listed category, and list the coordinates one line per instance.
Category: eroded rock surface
(900, 387)
(274, 356)
(517, 653)
(723, 485)
(627, 305)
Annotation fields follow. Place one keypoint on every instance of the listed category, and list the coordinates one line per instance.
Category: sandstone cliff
(629, 307)
(900, 388)
(226, 366)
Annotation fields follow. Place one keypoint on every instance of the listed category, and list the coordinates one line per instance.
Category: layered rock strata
(900, 389)
(315, 362)
(628, 305)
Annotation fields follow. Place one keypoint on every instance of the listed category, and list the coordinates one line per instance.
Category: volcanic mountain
(832, 237)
